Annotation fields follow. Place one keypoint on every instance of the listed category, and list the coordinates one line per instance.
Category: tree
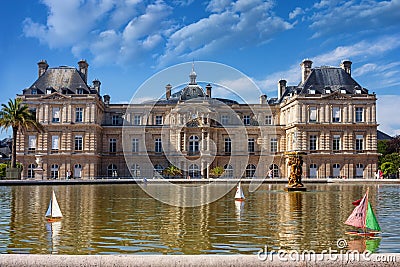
(388, 169)
(393, 145)
(217, 171)
(172, 170)
(19, 118)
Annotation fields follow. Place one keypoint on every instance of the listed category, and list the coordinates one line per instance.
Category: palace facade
(328, 116)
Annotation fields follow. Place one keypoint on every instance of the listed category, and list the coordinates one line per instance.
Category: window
(250, 145)
(78, 114)
(359, 170)
(56, 115)
(335, 114)
(77, 171)
(78, 143)
(135, 145)
(194, 171)
(275, 170)
(79, 91)
(115, 119)
(250, 170)
(336, 143)
(112, 170)
(158, 170)
(268, 120)
(48, 91)
(246, 120)
(343, 91)
(313, 142)
(224, 119)
(311, 91)
(228, 145)
(32, 143)
(113, 145)
(193, 144)
(158, 120)
(359, 143)
(54, 171)
(313, 170)
(34, 91)
(55, 145)
(135, 170)
(31, 172)
(313, 114)
(359, 115)
(336, 170)
(274, 145)
(228, 171)
(158, 145)
(136, 120)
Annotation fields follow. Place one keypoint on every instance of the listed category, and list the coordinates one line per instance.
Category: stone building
(328, 115)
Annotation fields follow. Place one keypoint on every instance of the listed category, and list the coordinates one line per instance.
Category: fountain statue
(296, 171)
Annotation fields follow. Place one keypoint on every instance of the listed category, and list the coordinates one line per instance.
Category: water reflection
(363, 244)
(115, 219)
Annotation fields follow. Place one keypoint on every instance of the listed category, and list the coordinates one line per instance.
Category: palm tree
(19, 118)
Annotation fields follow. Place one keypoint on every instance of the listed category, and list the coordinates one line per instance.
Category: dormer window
(48, 91)
(358, 91)
(311, 91)
(343, 91)
(34, 92)
(328, 90)
(79, 91)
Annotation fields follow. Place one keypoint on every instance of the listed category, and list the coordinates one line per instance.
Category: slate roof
(333, 78)
(382, 136)
(60, 79)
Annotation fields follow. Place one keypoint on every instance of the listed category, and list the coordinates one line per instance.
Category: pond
(123, 219)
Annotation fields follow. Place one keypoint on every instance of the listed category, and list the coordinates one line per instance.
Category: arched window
(135, 170)
(359, 170)
(228, 171)
(313, 170)
(112, 170)
(31, 172)
(275, 170)
(250, 170)
(54, 171)
(77, 171)
(193, 144)
(158, 170)
(336, 170)
(194, 171)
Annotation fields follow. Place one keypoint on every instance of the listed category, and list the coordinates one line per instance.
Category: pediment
(55, 95)
(336, 96)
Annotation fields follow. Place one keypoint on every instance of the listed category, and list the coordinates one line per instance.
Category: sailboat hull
(55, 219)
(367, 234)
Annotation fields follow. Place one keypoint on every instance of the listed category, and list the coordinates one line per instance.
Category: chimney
(263, 99)
(168, 88)
(346, 66)
(208, 90)
(83, 68)
(106, 100)
(42, 66)
(96, 85)
(281, 88)
(305, 69)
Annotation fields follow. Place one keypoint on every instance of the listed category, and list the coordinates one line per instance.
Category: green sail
(371, 221)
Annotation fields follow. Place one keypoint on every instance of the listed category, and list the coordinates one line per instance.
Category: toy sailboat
(53, 213)
(363, 217)
(239, 196)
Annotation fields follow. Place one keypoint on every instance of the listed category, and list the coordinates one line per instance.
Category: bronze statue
(296, 170)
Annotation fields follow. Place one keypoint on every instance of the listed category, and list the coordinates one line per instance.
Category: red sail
(358, 216)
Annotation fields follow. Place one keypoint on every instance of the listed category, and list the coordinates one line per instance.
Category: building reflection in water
(107, 219)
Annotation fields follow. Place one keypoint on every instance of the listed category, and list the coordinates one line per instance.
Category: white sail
(53, 211)
(239, 192)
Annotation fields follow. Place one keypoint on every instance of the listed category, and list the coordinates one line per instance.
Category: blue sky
(127, 41)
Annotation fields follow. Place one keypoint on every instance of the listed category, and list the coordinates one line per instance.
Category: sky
(126, 42)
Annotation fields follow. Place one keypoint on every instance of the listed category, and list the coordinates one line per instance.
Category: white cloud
(387, 114)
(218, 5)
(339, 17)
(242, 24)
(296, 12)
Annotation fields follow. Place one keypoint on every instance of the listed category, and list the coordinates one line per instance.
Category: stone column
(184, 141)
